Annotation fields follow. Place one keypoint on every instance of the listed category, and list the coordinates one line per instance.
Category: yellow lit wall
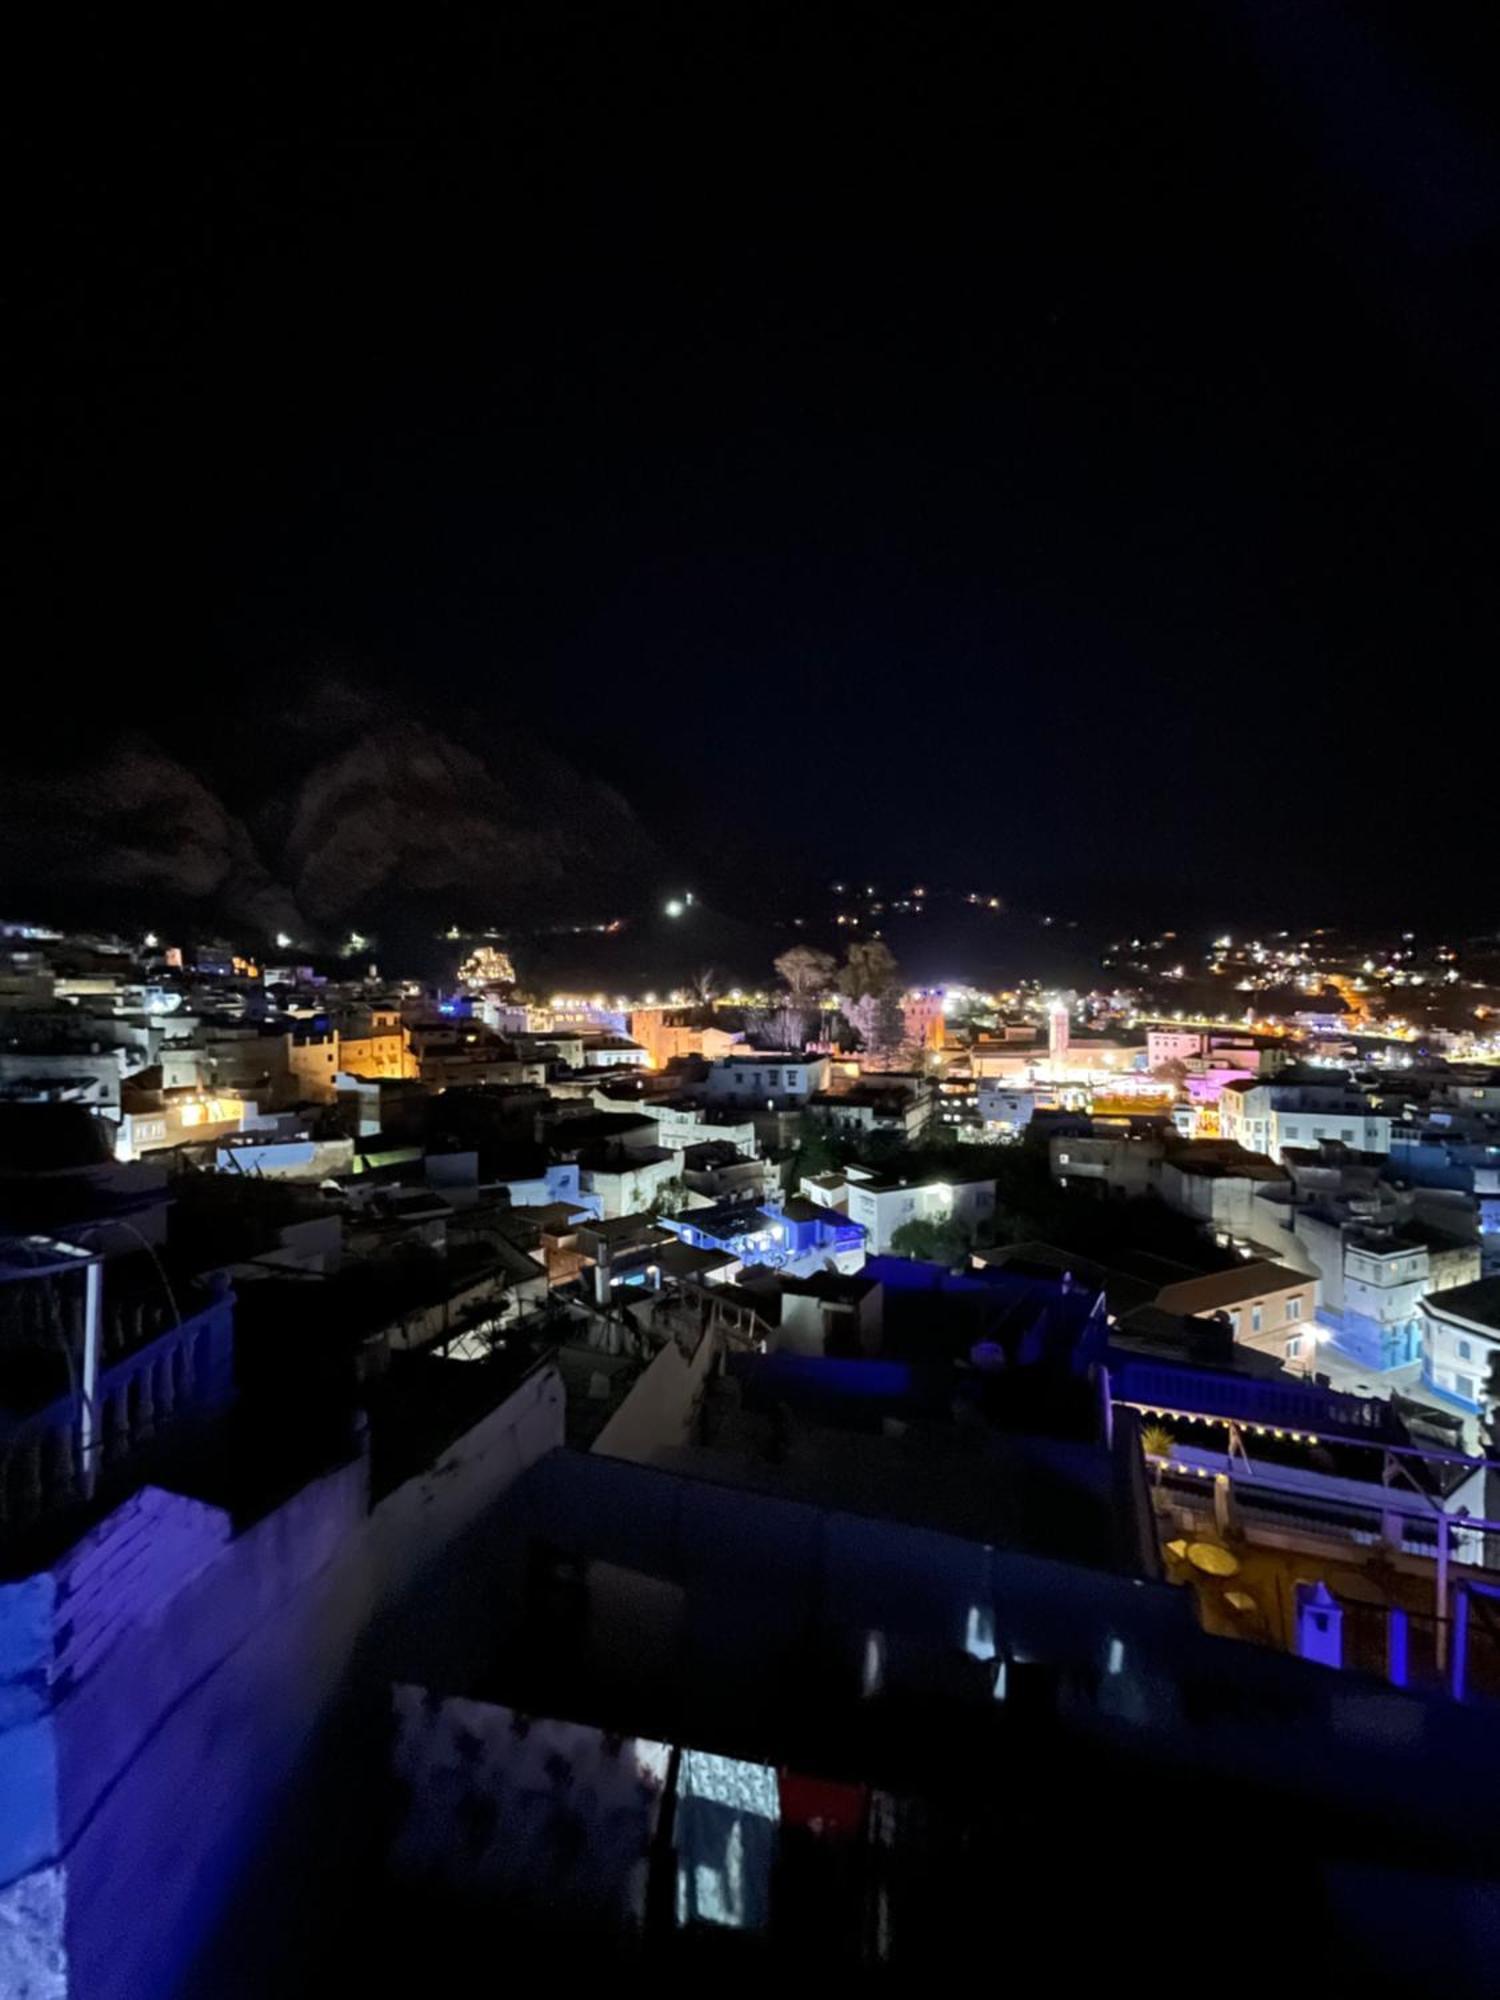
(381, 1054)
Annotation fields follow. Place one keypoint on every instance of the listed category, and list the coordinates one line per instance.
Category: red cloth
(820, 1807)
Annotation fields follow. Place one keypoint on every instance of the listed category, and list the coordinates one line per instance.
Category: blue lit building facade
(799, 1237)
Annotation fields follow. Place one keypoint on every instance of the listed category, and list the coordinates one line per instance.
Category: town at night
(750, 1004)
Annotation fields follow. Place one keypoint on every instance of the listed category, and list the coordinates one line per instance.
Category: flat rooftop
(1042, 1495)
(1220, 1163)
(727, 1218)
(1479, 1302)
(1229, 1288)
(758, 1058)
(895, 1185)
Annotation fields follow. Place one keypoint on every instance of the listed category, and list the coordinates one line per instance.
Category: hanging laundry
(820, 1807)
(727, 1813)
(534, 1812)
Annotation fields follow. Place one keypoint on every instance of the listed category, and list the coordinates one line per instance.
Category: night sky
(1053, 448)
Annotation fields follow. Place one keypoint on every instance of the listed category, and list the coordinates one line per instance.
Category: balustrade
(181, 1375)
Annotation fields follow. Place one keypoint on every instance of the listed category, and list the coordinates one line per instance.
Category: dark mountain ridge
(370, 817)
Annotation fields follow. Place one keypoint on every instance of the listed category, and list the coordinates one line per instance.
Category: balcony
(77, 1428)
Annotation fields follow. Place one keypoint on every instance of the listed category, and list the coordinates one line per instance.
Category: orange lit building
(383, 1052)
(666, 1040)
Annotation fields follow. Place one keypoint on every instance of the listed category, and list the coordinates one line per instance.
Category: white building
(1164, 1045)
(1245, 1115)
(627, 1183)
(882, 1206)
(1119, 1163)
(613, 1052)
(1460, 1335)
(1006, 1062)
(1366, 1131)
(1219, 1188)
(1004, 1108)
(681, 1125)
(767, 1080)
(1266, 1117)
(903, 1104)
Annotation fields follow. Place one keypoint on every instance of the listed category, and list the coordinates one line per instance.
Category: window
(1463, 1385)
(1294, 1308)
(1465, 1352)
(1347, 1135)
(1255, 1317)
(1293, 1349)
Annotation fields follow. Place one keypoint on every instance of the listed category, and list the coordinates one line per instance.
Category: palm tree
(1156, 1446)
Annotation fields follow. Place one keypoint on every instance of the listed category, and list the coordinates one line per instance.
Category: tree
(671, 1198)
(869, 970)
(816, 1152)
(889, 1026)
(807, 973)
(1156, 1449)
(776, 1027)
(704, 986)
(946, 1241)
(973, 1011)
(883, 1150)
(841, 1031)
(1172, 1071)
